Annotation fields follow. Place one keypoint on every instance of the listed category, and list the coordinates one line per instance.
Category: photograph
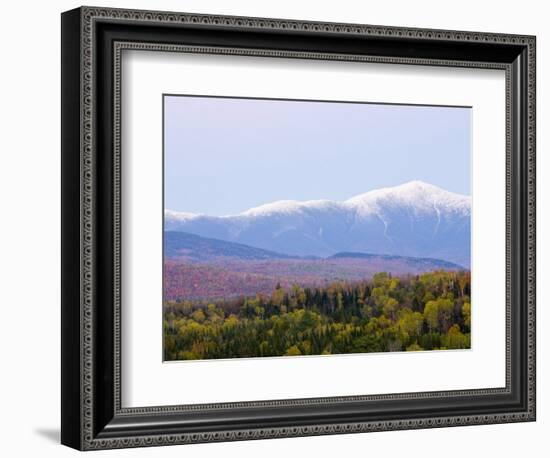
(314, 227)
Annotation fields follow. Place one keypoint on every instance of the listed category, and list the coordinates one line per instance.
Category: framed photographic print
(278, 228)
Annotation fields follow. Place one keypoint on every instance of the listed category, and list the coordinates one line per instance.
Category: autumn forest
(428, 311)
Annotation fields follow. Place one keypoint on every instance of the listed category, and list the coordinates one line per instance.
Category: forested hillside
(421, 312)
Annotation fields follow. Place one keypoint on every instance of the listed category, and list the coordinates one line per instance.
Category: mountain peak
(414, 188)
(413, 194)
(418, 185)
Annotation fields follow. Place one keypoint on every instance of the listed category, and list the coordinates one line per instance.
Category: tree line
(423, 312)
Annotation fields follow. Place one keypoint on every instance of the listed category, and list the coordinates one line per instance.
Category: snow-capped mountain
(413, 219)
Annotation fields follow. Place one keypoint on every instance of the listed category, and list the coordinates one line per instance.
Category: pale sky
(225, 155)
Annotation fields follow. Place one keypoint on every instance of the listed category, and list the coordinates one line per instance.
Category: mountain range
(415, 219)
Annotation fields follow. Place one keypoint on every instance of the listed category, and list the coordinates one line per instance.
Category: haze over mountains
(414, 219)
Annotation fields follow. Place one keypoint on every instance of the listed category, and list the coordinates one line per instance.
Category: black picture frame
(92, 416)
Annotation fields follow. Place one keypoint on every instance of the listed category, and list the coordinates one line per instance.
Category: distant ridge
(195, 247)
(436, 262)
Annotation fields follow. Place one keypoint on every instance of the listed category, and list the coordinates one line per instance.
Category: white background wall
(30, 240)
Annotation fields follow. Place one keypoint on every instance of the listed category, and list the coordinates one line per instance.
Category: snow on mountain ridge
(290, 206)
(416, 194)
(413, 219)
(180, 216)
